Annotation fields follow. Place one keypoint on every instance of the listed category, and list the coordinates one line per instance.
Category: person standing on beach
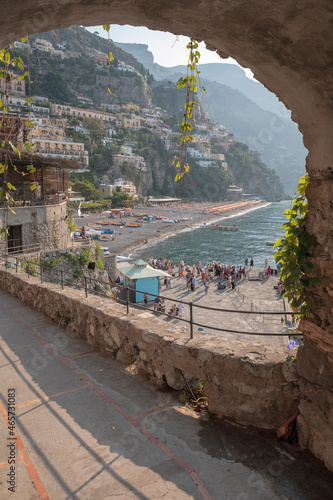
(145, 299)
(246, 261)
(181, 309)
(194, 280)
(251, 262)
(266, 263)
(156, 303)
(206, 285)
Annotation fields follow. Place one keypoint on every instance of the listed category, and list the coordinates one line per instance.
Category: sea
(256, 227)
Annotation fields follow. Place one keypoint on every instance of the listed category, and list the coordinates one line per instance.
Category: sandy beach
(128, 239)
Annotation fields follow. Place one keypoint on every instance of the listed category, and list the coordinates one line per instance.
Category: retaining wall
(246, 382)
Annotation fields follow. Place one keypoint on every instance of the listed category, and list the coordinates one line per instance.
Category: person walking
(181, 309)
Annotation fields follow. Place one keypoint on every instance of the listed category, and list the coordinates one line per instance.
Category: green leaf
(14, 148)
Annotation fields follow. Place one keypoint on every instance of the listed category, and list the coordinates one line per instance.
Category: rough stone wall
(252, 388)
(66, 266)
(110, 264)
(43, 226)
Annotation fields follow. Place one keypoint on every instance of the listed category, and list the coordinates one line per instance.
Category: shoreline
(195, 225)
(128, 240)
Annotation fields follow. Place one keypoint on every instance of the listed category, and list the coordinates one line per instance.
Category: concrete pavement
(86, 427)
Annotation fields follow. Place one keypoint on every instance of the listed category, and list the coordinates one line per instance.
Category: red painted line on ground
(194, 476)
(18, 347)
(38, 485)
(6, 463)
(151, 411)
(50, 397)
(81, 354)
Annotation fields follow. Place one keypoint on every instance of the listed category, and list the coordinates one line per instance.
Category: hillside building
(16, 87)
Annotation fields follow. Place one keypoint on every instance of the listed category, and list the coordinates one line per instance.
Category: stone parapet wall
(246, 383)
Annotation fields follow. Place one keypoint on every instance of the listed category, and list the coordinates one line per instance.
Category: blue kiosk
(140, 276)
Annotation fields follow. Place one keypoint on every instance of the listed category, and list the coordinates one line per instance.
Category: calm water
(255, 228)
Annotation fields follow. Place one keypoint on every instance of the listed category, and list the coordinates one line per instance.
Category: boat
(270, 243)
(224, 228)
(102, 223)
(107, 231)
(117, 223)
(133, 224)
(103, 237)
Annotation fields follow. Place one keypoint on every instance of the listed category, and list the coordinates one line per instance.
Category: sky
(168, 49)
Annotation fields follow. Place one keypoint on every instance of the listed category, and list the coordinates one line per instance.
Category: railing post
(62, 278)
(191, 319)
(41, 274)
(6, 260)
(16, 264)
(85, 286)
(28, 270)
(127, 299)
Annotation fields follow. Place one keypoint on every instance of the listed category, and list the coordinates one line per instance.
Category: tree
(87, 189)
(120, 199)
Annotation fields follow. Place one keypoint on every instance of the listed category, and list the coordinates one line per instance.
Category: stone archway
(289, 48)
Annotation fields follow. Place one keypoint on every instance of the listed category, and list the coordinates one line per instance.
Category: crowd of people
(190, 274)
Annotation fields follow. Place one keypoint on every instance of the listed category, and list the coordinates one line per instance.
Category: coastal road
(85, 427)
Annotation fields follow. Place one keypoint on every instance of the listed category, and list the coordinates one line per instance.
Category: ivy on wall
(293, 252)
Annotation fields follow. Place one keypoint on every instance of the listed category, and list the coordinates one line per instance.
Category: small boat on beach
(103, 237)
(117, 223)
(133, 224)
(102, 223)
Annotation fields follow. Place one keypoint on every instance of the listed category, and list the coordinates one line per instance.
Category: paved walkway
(87, 428)
(247, 296)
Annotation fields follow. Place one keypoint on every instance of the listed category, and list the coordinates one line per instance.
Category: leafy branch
(10, 127)
(190, 82)
(293, 253)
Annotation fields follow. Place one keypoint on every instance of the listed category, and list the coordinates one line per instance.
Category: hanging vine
(106, 27)
(293, 253)
(190, 82)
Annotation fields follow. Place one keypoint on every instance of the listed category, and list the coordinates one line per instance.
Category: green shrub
(85, 256)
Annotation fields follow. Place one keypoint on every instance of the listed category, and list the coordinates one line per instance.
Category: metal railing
(13, 248)
(85, 282)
